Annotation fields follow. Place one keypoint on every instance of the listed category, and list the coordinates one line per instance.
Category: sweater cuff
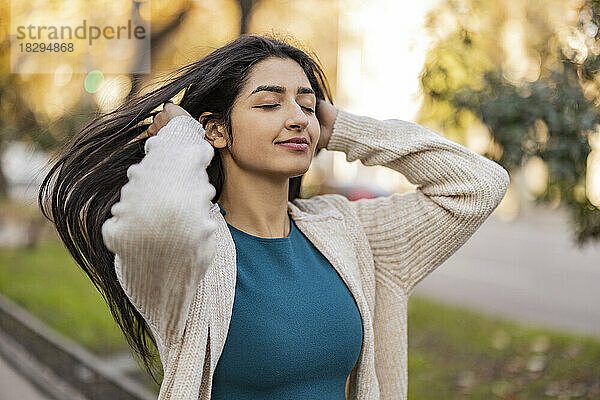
(182, 129)
(345, 127)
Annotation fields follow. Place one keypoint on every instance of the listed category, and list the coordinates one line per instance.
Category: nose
(298, 119)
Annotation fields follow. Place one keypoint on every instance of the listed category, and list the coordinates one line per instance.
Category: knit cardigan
(176, 260)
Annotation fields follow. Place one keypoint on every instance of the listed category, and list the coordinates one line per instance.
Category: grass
(453, 353)
(457, 354)
(50, 285)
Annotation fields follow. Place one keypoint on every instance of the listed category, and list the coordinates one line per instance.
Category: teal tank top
(295, 330)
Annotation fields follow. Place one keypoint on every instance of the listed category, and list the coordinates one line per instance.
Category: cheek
(259, 128)
(314, 129)
(252, 139)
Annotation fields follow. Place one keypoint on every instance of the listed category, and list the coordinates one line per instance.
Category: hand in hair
(326, 114)
(168, 112)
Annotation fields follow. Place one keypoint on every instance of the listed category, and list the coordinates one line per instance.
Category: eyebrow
(280, 89)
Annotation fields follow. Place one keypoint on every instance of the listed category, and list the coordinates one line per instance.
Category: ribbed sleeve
(410, 234)
(160, 231)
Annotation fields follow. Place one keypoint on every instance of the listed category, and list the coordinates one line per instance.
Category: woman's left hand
(326, 114)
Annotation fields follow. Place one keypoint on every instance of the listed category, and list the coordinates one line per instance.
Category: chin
(292, 173)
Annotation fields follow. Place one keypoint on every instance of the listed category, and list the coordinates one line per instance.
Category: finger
(151, 130)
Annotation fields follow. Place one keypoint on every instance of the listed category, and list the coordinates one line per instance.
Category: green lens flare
(93, 80)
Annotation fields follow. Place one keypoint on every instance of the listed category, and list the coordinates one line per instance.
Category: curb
(56, 364)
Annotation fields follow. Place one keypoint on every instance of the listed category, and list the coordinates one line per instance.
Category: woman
(195, 232)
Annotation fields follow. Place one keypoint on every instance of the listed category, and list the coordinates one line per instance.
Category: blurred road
(14, 387)
(527, 270)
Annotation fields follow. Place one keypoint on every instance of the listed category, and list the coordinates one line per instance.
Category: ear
(215, 131)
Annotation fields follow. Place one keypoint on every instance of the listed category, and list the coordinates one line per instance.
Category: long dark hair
(89, 171)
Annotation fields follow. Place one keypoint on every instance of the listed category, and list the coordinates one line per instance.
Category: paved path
(14, 387)
(527, 270)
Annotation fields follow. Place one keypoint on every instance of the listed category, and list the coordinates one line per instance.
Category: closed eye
(275, 105)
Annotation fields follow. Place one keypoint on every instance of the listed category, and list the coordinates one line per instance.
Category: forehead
(284, 72)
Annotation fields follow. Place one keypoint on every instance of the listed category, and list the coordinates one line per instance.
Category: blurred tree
(24, 99)
(246, 7)
(313, 25)
(158, 37)
(526, 70)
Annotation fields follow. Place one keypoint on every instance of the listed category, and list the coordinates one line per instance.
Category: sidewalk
(14, 386)
(23, 377)
(527, 270)
(54, 364)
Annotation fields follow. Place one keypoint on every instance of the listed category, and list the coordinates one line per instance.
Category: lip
(294, 146)
(297, 139)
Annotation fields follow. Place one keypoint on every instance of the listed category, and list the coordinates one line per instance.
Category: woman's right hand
(168, 112)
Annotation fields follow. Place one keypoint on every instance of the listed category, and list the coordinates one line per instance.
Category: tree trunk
(157, 39)
(3, 179)
(246, 9)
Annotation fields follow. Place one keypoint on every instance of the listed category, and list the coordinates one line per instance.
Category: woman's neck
(258, 213)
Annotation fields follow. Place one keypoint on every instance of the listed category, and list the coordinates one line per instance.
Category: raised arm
(160, 230)
(411, 234)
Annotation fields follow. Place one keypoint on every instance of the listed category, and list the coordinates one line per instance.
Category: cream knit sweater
(175, 257)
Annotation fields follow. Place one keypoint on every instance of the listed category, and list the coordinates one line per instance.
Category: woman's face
(277, 103)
